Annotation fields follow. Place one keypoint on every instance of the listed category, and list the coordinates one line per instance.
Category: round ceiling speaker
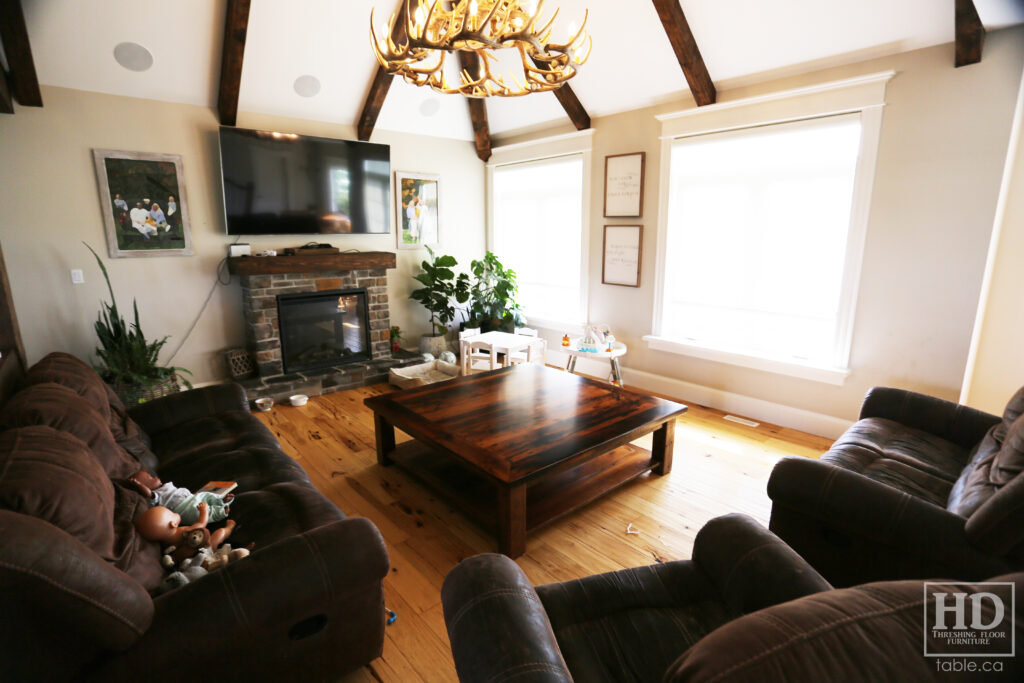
(133, 56)
(307, 86)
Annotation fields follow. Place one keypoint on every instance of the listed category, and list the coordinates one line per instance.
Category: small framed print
(417, 203)
(624, 185)
(621, 261)
(145, 211)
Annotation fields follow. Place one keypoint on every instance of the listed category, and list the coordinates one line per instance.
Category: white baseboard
(746, 406)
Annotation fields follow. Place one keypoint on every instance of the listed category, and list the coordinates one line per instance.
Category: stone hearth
(313, 274)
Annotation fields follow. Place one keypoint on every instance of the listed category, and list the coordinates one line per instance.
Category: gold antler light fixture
(433, 30)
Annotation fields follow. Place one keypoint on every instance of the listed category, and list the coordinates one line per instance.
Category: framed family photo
(145, 211)
(417, 209)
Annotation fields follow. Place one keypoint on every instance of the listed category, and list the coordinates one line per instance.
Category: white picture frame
(417, 209)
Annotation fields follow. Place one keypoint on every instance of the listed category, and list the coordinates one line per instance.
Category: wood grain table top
(516, 423)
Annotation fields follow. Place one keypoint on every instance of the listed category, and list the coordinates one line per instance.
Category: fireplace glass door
(323, 329)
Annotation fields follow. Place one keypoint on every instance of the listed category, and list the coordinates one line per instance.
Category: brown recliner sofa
(745, 608)
(917, 487)
(76, 579)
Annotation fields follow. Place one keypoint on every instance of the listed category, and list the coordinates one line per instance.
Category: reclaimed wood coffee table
(519, 447)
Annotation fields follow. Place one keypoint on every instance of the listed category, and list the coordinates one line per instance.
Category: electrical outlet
(77, 277)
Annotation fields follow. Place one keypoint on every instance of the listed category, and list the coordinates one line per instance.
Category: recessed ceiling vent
(133, 56)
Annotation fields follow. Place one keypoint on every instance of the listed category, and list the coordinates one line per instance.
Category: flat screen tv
(287, 184)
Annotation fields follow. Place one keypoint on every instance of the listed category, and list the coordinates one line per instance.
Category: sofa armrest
(60, 601)
(293, 606)
(897, 524)
(954, 422)
(497, 625)
(166, 412)
(752, 567)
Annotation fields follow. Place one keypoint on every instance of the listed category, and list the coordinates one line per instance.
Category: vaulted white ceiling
(632, 64)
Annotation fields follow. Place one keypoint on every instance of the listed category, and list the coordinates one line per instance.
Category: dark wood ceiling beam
(685, 47)
(970, 33)
(24, 85)
(381, 82)
(571, 104)
(236, 26)
(477, 109)
(6, 103)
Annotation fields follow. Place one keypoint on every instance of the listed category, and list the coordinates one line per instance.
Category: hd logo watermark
(961, 624)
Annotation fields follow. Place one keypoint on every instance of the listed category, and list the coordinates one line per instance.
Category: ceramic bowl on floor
(298, 400)
(264, 404)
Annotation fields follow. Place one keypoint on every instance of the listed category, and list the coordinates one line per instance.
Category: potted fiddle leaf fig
(128, 361)
(493, 304)
(440, 286)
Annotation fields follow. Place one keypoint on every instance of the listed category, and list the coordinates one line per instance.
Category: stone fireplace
(334, 310)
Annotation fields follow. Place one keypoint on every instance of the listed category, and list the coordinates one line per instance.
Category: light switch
(77, 277)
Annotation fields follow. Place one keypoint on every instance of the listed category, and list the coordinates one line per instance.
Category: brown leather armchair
(918, 487)
(745, 608)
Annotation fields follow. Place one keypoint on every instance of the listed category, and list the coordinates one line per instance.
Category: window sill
(815, 373)
(561, 327)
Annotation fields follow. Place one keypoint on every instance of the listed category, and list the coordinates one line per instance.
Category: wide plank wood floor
(719, 467)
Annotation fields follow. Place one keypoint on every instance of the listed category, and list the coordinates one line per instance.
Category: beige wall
(943, 141)
(996, 366)
(49, 205)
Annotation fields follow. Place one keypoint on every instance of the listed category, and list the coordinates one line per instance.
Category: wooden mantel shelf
(310, 263)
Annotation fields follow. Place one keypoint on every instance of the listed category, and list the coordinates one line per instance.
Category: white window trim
(864, 94)
(580, 142)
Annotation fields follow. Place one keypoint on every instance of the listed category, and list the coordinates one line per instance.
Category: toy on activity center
(597, 338)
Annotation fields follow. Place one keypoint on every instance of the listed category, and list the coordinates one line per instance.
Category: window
(758, 221)
(537, 217)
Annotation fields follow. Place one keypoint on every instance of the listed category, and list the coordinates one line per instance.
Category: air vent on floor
(742, 421)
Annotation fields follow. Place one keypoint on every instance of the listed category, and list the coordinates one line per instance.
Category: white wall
(49, 205)
(943, 142)
(996, 367)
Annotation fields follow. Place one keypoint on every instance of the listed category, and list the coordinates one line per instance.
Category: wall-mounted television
(286, 184)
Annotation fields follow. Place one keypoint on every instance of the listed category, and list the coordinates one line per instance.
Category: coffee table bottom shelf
(546, 499)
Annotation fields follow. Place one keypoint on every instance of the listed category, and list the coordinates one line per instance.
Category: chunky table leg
(385, 433)
(664, 442)
(512, 520)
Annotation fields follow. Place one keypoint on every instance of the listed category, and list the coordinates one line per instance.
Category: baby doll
(160, 524)
(180, 500)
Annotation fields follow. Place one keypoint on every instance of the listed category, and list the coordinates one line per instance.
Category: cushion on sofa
(279, 511)
(58, 406)
(72, 372)
(997, 460)
(910, 460)
(53, 476)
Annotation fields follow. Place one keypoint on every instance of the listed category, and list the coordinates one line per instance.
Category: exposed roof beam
(970, 33)
(685, 47)
(6, 104)
(236, 25)
(571, 104)
(24, 84)
(477, 109)
(381, 82)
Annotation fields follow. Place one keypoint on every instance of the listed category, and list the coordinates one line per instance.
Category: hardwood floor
(719, 467)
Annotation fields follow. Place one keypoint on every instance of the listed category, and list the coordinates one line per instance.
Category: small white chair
(468, 333)
(477, 352)
(535, 352)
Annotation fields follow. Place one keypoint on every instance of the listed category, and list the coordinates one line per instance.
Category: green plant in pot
(493, 304)
(128, 361)
(440, 286)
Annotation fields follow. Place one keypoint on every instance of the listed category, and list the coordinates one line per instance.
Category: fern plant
(126, 356)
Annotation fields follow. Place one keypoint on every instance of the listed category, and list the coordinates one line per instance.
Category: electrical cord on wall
(219, 280)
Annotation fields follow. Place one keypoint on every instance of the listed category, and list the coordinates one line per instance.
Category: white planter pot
(435, 345)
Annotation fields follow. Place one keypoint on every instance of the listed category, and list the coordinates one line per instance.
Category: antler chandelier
(418, 49)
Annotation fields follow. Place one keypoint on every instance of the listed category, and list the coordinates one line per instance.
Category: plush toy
(447, 357)
(160, 524)
(204, 562)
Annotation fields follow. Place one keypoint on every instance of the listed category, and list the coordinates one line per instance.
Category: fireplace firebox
(323, 329)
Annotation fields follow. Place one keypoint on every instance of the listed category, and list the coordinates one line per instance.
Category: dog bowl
(264, 404)
(298, 400)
